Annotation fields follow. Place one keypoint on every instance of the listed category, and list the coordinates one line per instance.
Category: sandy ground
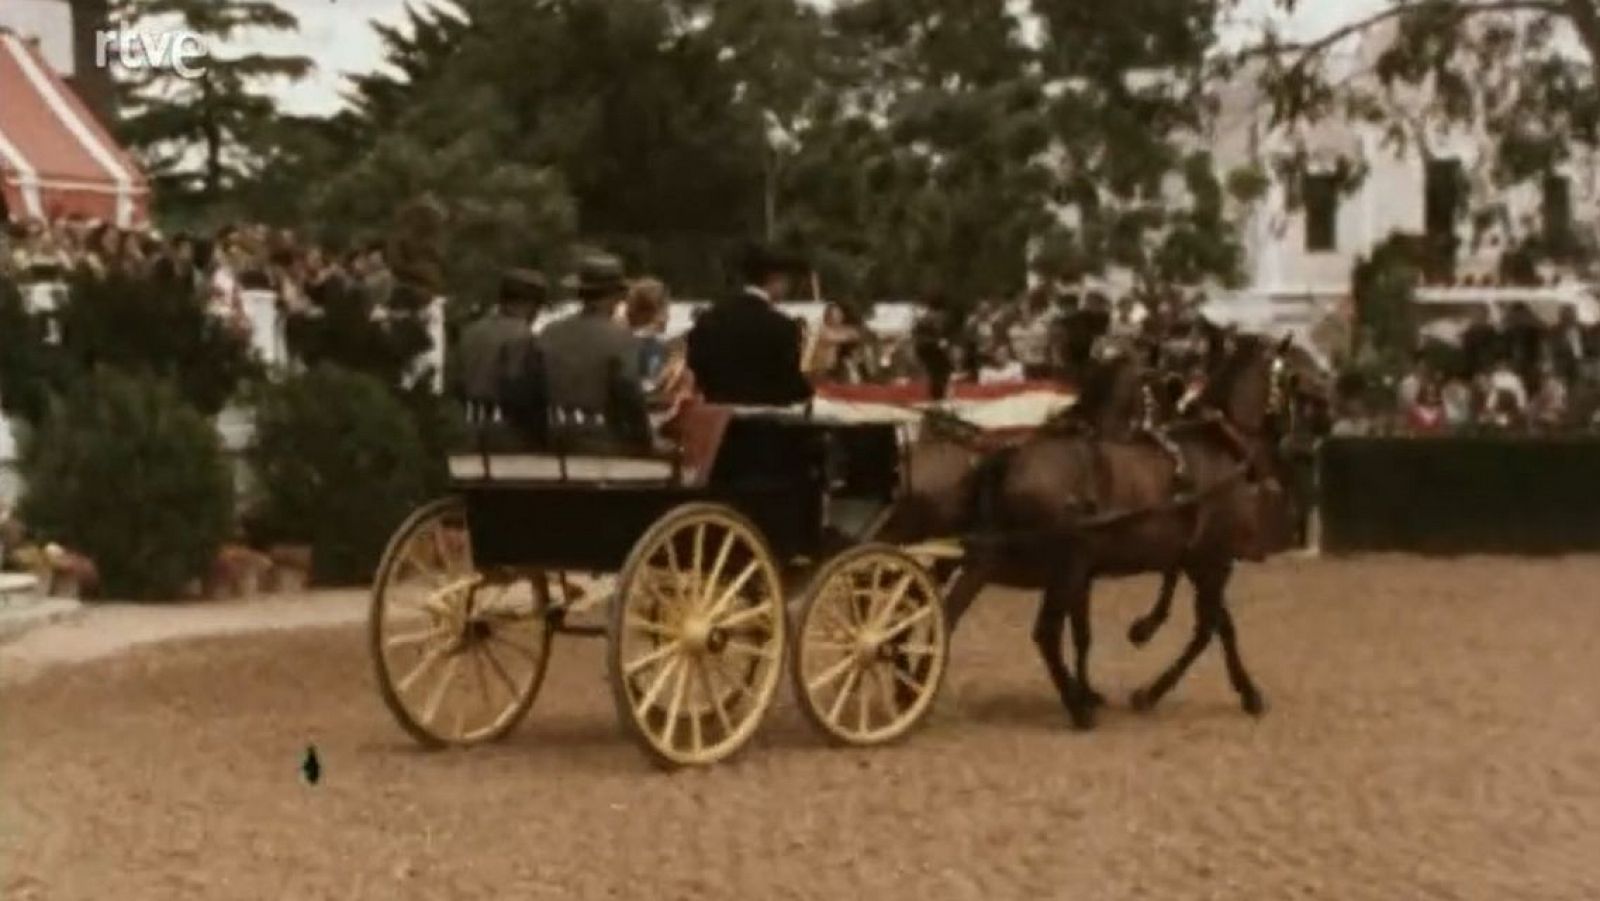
(1435, 734)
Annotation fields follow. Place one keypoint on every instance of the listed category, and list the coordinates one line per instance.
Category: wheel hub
(868, 648)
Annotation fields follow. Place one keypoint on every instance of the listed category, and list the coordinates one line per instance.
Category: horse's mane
(1234, 366)
(1099, 388)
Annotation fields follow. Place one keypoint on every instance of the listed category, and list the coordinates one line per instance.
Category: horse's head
(1248, 385)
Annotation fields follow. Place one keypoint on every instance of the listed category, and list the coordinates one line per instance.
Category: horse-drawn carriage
(747, 549)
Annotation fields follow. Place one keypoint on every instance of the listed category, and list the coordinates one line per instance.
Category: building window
(1322, 213)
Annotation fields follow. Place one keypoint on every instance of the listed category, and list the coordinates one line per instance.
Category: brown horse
(1069, 505)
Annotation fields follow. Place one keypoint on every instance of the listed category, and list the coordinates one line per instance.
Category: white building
(1304, 240)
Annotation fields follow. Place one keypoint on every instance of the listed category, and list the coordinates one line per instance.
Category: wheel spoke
(672, 559)
(743, 616)
(916, 650)
(722, 601)
(885, 688)
(715, 576)
(529, 653)
(654, 657)
(844, 692)
(650, 627)
(480, 675)
(751, 650)
(675, 706)
(906, 624)
(831, 674)
(703, 671)
(499, 670)
(699, 557)
(649, 699)
(428, 661)
(410, 638)
(881, 614)
(901, 677)
(714, 666)
(440, 551)
(863, 699)
(448, 678)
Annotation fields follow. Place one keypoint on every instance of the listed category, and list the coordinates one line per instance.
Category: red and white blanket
(1000, 408)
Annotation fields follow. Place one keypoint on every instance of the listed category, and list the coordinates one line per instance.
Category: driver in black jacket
(744, 350)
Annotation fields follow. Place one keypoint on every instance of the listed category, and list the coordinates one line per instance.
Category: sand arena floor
(1434, 734)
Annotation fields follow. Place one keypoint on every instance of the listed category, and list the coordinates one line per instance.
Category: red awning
(55, 158)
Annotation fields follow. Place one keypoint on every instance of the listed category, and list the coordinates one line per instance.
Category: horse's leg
(1249, 696)
(1078, 614)
(1047, 629)
(969, 582)
(1207, 600)
(1145, 627)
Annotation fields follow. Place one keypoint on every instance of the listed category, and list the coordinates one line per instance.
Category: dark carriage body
(808, 485)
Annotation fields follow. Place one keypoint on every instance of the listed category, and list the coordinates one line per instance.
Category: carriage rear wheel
(460, 654)
(697, 636)
(870, 646)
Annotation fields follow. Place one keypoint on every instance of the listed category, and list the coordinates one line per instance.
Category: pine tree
(199, 137)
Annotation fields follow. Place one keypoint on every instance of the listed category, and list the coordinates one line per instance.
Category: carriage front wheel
(696, 636)
(460, 654)
(870, 646)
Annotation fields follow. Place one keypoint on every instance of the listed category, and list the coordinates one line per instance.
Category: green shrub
(123, 471)
(338, 464)
(150, 325)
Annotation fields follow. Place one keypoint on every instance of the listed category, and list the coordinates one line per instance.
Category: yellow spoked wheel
(697, 636)
(460, 655)
(870, 646)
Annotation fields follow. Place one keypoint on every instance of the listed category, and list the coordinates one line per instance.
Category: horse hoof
(1254, 704)
(1141, 700)
(1095, 699)
(1082, 718)
(1140, 633)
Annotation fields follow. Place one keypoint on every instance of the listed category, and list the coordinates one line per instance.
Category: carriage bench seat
(543, 467)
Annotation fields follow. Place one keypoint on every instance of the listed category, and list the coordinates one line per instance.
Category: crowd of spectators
(1517, 374)
(1520, 374)
(217, 269)
(1044, 333)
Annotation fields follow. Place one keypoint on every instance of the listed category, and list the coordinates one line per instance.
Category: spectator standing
(932, 347)
(1030, 334)
(1412, 385)
(1425, 413)
(646, 310)
(1550, 402)
(1570, 347)
(1480, 343)
(831, 346)
(1457, 399)
(1002, 368)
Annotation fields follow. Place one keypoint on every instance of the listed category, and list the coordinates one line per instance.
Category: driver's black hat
(523, 286)
(760, 262)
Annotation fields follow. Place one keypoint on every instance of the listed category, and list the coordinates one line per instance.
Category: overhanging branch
(1308, 51)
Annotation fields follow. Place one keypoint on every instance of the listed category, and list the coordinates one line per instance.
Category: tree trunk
(91, 82)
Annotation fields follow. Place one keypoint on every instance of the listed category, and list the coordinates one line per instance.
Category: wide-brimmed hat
(597, 275)
(523, 286)
(759, 262)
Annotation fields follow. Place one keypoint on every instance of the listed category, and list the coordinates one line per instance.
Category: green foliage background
(127, 473)
(338, 464)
